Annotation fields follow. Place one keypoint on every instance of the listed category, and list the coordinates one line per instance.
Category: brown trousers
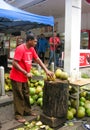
(21, 98)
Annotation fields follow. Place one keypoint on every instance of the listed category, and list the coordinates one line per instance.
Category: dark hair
(29, 37)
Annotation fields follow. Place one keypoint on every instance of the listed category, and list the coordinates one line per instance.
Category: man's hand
(50, 73)
(29, 75)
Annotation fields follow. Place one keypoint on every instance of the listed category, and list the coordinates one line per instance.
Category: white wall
(85, 22)
(61, 24)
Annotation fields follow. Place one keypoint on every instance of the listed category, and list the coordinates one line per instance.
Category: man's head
(31, 41)
(42, 35)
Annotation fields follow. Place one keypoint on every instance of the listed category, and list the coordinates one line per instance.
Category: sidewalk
(9, 123)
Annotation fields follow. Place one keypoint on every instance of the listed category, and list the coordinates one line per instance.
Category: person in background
(19, 74)
(2, 48)
(2, 44)
(36, 47)
(53, 41)
(58, 51)
(42, 46)
(20, 41)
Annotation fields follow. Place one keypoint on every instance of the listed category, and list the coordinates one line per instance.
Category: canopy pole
(2, 82)
(54, 52)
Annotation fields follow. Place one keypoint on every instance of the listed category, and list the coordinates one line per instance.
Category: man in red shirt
(53, 41)
(22, 62)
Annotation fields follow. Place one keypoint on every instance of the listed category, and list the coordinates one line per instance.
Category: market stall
(84, 49)
(13, 20)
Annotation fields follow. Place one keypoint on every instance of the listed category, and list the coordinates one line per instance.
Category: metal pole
(2, 81)
(54, 52)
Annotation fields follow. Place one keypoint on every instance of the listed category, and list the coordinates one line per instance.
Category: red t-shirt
(55, 41)
(24, 57)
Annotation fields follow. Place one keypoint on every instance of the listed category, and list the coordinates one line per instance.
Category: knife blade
(34, 77)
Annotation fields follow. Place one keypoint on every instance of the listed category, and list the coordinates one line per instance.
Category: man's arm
(44, 67)
(51, 41)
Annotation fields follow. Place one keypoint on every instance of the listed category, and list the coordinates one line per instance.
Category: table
(77, 84)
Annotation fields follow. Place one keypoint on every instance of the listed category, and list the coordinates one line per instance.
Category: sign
(84, 59)
(88, 1)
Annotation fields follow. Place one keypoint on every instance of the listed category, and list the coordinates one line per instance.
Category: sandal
(21, 120)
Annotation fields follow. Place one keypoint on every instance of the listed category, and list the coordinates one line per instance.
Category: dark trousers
(21, 98)
(41, 56)
(52, 58)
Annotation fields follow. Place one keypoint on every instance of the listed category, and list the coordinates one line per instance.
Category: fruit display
(84, 104)
(61, 74)
(36, 87)
(7, 85)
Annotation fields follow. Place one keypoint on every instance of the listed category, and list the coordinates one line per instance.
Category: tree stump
(55, 98)
(55, 102)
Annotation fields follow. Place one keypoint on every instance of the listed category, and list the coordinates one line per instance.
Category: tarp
(11, 16)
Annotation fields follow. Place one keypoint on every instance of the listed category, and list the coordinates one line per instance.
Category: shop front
(84, 48)
(84, 58)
